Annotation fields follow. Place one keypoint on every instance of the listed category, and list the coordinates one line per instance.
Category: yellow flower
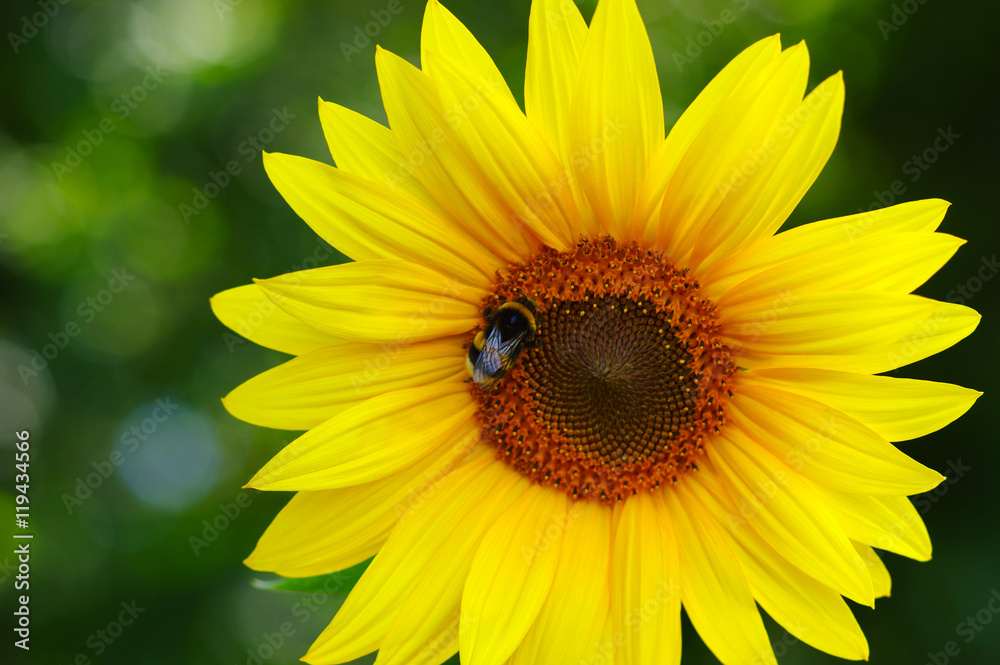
(697, 419)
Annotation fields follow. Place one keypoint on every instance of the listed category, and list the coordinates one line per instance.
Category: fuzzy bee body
(496, 348)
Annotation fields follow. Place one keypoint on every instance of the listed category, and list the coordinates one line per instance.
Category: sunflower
(684, 408)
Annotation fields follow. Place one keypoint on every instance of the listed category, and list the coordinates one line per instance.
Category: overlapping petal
(511, 576)
(714, 589)
(826, 445)
(806, 608)
(249, 312)
(324, 531)
(510, 153)
(454, 512)
(841, 232)
(890, 262)
(783, 508)
(443, 33)
(697, 197)
(429, 635)
(894, 408)
(423, 128)
(646, 583)
(616, 123)
(362, 147)
(317, 385)
(366, 219)
(858, 331)
(743, 68)
(558, 637)
(372, 440)
(556, 35)
(881, 581)
(378, 301)
(889, 523)
(765, 187)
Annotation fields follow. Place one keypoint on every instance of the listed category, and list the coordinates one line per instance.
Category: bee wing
(495, 358)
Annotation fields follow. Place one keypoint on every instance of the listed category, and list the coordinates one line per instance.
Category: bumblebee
(496, 348)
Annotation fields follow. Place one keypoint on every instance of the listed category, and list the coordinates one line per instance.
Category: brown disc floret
(626, 377)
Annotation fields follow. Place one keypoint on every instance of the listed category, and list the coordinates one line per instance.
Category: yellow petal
(808, 609)
(328, 530)
(916, 216)
(247, 311)
(858, 331)
(714, 589)
(511, 576)
(509, 153)
(763, 189)
(617, 118)
(443, 33)
(362, 147)
(368, 220)
(876, 568)
(891, 262)
(429, 633)
(783, 508)
(646, 583)
(824, 445)
(436, 638)
(739, 129)
(556, 34)
(737, 73)
(372, 440)
(559, 636)
(457, 509)
(377, 301)
(887, 522)
(316, 386)
(423, 127)
(894, 408)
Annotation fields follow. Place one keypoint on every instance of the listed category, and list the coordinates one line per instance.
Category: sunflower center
(616, 381)
(625, 378)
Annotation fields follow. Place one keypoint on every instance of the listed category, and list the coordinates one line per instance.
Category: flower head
(683, 406)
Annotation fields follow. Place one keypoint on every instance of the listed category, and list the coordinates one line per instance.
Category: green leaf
(334, 584)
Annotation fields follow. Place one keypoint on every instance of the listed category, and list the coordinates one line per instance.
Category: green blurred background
(162, 94)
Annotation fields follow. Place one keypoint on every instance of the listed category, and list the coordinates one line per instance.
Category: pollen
(626, 378)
